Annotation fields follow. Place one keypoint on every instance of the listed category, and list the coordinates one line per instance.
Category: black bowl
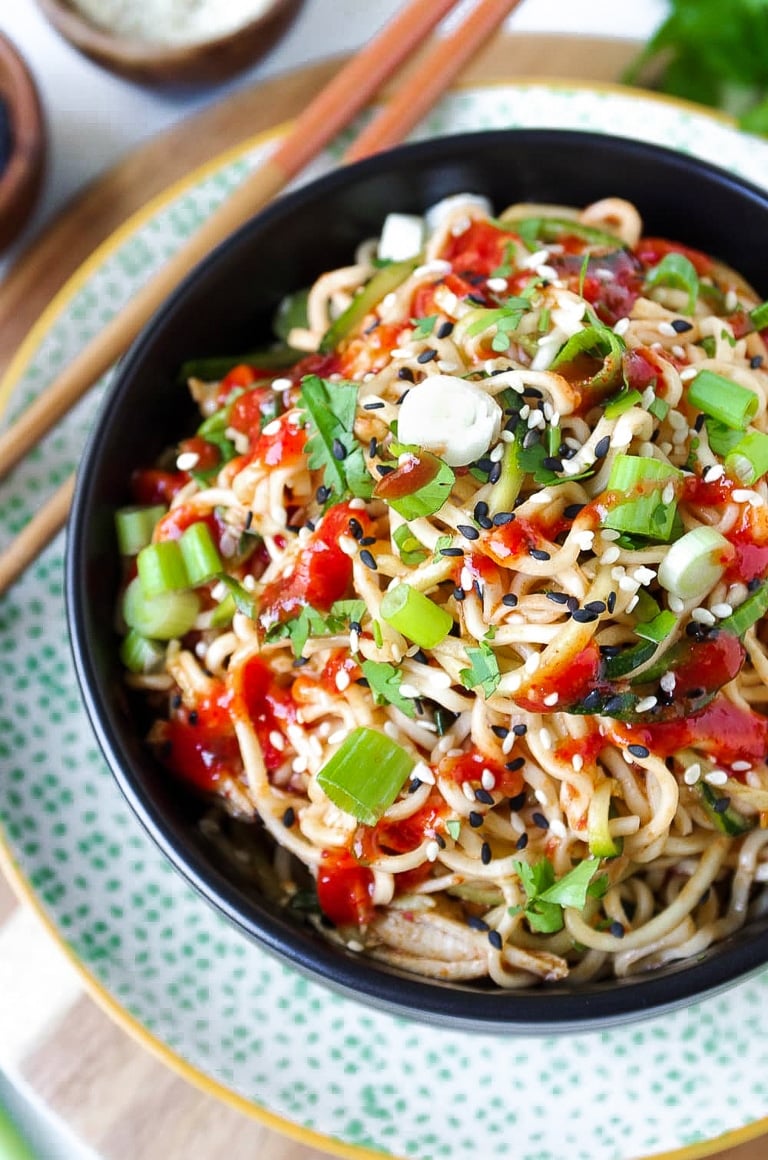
(226, 306)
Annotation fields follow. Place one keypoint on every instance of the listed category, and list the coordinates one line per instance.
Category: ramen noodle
(458, 593)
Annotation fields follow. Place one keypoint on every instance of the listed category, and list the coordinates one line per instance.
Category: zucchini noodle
(499, 519)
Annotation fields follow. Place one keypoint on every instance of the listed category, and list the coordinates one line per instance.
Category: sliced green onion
(657, 629)
(223, 612)
(659, 408)
(679, 272)
(602, 344)
(727, 821)
(622, 402)
(601, 843)
(748, 613)
(747, 461)
(416, 616)
(200, 554)
(507, 487)
(365, 774)
(383, 282)
(135, 525)
(722, 399)
(161, 568)
(411, 550)
(163, 617)
(643, 513)
(139, 654)
(759, 316)
(694, 563)
(628, 660)
(721, 439)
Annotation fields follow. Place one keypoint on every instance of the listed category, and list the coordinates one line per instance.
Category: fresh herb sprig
(333, 448)
(547, 896)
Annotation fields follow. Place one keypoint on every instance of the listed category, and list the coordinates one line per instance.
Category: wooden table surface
(113, 1094)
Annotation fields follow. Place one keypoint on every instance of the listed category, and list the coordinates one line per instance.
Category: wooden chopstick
(323, 118)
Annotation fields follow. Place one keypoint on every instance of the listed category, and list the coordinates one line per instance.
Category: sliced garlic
(452, 418)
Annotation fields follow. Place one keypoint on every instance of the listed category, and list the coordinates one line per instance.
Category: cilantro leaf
(423, 327)
(244, 601)
(309, 622)
(385, 681)
(411, 550)
(329, 409)
(547, 896)
(440, 543)
(429, 498)
(483, 671)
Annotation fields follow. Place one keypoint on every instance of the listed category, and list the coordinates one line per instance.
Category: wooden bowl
(21, 178)
(156, 63)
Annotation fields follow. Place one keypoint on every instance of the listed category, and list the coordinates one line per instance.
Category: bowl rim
(132, 51)
(539, 1010)
(21, 179)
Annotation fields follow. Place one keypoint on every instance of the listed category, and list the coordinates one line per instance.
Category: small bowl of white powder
(170, 42)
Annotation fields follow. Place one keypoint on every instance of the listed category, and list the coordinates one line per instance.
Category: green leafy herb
(483, 671)
(423, 327)
(309, 622)
(547, 896)
(329, 409)
(411, 550)
(427, 499)
(453, 826)
(244, 601)
(442, 542)
(385, 681)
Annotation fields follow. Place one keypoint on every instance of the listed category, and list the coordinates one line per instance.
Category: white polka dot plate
(345, 1078)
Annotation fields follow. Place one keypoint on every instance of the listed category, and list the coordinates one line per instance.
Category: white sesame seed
(187, 461)
(455, 752)
(716, 777)
(354, 640)
(731, 301)
(557, 828)
(342, 680)
(507, 437)
(628, 584)
(741, 494)
(740, 766)
(692, 774)
(354, 945)
(703, 616)
(545, 737)
(668, 493)
(299, 764)
(646, 704)
(508, 742)
(609, 534)
(688, 373)
(497, 284)
(667, 329)
(496, 453)
(466, 579)
(432, 851)
(281, 384)
(541, 797)
(714, 472)
(618, 572)
(487, 780)
(423, 772)
(525, 411)
(621, 327)
(540, 498)
(357, 504)
(610, 555)
(532, 663)
(391, 730)
(668, 682)
(272, 428)
(577, 761)
(249, 583)
(721, 610)
(676, 605)
(201, 648)
(585, 540)
(276, 740)
(551, 699)
(644, 575)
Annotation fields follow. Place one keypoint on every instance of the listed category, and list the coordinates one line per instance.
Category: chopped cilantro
(423, 327)
(244, 601)
(547, 896)
(385, 681)
(309, 622)
(483, 671)
(411, 550)
(329, 409)
(442, 542)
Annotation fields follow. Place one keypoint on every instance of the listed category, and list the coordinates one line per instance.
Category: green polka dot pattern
(195, 983)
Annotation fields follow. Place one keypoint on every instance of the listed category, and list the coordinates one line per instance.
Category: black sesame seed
(756, 361)
(363, 682)
(484, 464)
(500, 731)
(515, 764)
(552, 463)
(721, 805)
(475, 299)
(494, 938)
(406, 374)
(482, 795)
(754, 584)
(533, 393)
(373, 448)
(521, 842)
(477, 923)
(440, 841)
(478, 587)
(639, 750)
(494, 475)
(573, 510)
(557, 597)
(176, 701)
(517, 802)
(481, 510)
(289, 817)
(300, 661)
(444, 329)
(540, 821)
(611, 601)
(355, 528)
(451, 551)
(193, 717)
(592, 700)
(426, 355)
(375, 406)
(602, 447)
(403, 397)
(502, 518)
(414, 784)
(367, 541)
(539, 554)
(531, 438)
(572, 603)
(510, 600)
(248, 521)
(485, 854)
(467, 531)
(322, 494)
(368, 560)
(680, 325)
(617, 929)
(420, 657)
(694, 694)
(310, 525)
(475, 819)
(595, 606)
(355, 626)
(384, 469)
(338, 450)
(613, 705)
(458, 593)
(583, 616)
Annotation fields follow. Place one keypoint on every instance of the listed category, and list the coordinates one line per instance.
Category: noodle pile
(588, 792)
